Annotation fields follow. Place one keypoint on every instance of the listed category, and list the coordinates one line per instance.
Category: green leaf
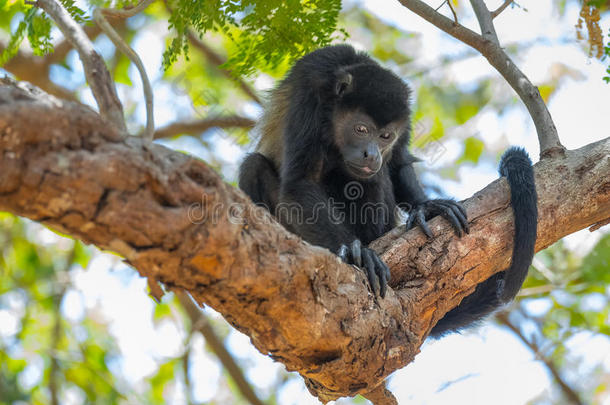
(596, 264)
(473, 148)
(121, 73)
(164, 375)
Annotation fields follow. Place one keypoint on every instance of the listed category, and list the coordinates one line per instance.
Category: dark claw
(382, 265)
(357, 253)
(451, 210)
(377, 272)
(384, 275)
(369, 265)
(449, 215)
(420, 218)
(342, 253)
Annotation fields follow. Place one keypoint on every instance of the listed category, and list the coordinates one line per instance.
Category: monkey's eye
(361, 129)
(385, 135)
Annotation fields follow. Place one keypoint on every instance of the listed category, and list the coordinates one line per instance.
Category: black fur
(302, 160)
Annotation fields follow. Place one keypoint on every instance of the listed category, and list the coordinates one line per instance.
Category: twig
(197, 127)
(96, 73)
(529, 94)
(485, 21)
(201, 324)
(499, 10)
(550, 365)
(98, 15)
(187, 380)
(57, 327)
(455, 19)
(127, 11)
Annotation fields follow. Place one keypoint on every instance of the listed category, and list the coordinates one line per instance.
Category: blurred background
(77, 325)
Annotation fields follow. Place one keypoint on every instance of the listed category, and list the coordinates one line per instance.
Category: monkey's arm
(306, 210)
(411, 197)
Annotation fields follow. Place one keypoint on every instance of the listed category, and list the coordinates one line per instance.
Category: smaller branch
(187, 381)
(543, 289)
(62, 48)
(381, 396)
(529, 94)
(96, 73)
(201, 324)
(57, 331)
(485, 21)
(455, 19)
(550, 365)
(197, 127)
(127, 11)
(600, 224)
(499, 10)
(98, 15)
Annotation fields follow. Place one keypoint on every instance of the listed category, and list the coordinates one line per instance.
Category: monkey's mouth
(363, 172)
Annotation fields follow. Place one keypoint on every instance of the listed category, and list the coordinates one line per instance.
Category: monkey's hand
(451, 210)
(376, 270)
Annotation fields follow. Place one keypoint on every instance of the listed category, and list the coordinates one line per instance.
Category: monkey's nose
(369, 157)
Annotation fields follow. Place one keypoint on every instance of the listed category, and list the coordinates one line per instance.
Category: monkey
(334, 139)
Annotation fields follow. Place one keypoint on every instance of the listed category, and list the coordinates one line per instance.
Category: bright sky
(484, 366)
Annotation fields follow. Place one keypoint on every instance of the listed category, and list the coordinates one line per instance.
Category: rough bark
(177, 223)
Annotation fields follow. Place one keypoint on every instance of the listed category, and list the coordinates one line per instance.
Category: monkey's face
(363, 145)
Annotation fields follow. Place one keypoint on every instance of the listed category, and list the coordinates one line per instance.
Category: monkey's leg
(259, 179)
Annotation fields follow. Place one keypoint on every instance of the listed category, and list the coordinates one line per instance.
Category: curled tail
(516, 166)
(502, 287)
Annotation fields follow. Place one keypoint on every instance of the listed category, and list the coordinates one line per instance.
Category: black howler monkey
(333, 146)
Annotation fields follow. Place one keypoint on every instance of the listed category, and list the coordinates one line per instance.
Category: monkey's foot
(376, 270)
(451, 210)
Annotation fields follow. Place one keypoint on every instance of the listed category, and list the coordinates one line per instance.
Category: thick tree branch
(200, 126)
(529, 94)
(175, 221)
(96, 73)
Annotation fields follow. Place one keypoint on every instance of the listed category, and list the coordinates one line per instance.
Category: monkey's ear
(343, 83)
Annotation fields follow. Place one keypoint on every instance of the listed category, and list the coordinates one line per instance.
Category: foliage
(36, 26)
(265, 33)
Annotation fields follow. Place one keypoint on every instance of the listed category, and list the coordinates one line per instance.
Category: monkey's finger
(448, 207)
(457, 210)
(410, 220)
(421, 221)
(383, 282)
(357, 253)
(448, 214)
(383, 266)
(383, 279)
(461, 208)
(342, 253)
(369, 265)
